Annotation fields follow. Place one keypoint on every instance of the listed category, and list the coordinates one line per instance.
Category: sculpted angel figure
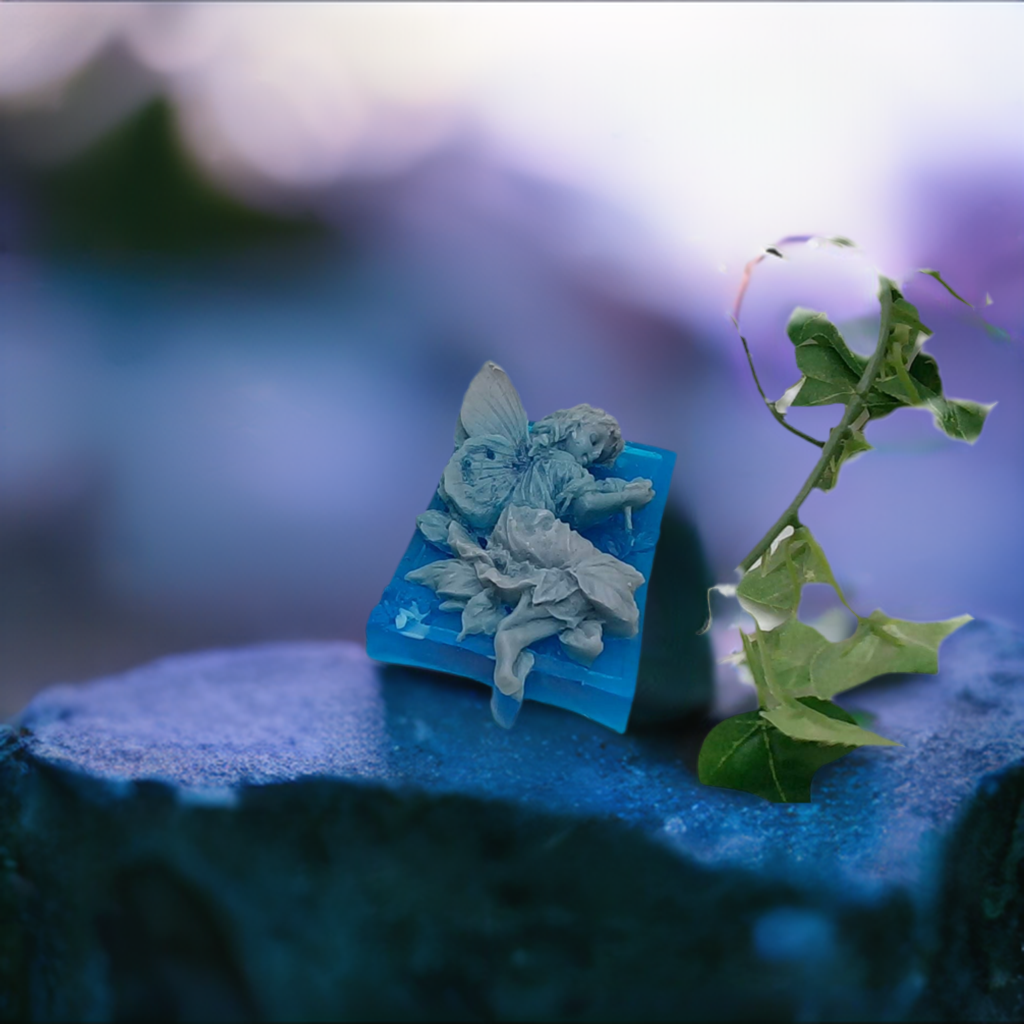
(529, 493)
(499, 461)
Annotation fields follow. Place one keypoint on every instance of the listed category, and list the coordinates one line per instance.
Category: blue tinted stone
(276, 713)
(793, 935)
(407, 627)
(296, 832)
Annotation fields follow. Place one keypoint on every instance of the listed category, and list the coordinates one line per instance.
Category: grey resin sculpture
(516, 498)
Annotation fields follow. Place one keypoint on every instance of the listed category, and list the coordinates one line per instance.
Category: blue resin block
(408, 628)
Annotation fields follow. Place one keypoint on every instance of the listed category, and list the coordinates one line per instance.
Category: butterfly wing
(479, 478)
(492, 408)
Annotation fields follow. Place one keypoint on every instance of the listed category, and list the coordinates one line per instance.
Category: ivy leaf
(852, 445)
(790, 649)
(800, 722)
(907, 376)
(881, 644)
(770, 591)
(830, 369)
(925, 372)
(752, 659)
(749, 753)
(910, 377)
(905, 314)
(803, 663)
(825, 380)
(938, 277)
(899, 385)
(807, 326)
(788, 665)
(960, 418)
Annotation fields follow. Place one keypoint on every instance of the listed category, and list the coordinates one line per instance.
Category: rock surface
(295, 832)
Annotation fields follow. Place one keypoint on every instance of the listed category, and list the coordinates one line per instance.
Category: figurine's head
(589, 435)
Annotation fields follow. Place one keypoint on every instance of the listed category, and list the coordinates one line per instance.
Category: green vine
(775, 751)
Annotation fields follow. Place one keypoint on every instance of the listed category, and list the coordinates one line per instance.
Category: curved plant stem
(771, 405)
(854, 409)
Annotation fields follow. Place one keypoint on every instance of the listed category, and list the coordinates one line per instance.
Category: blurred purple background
(250, 257)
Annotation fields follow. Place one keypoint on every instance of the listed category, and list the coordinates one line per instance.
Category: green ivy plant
(775, 751)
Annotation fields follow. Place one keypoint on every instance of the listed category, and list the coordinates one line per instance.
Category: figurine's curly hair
(552, 430)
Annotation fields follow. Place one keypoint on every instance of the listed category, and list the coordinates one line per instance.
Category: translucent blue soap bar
(408, 627)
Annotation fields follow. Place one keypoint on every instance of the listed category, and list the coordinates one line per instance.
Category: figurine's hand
(638, 492)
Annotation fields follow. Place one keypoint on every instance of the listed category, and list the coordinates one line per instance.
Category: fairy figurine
(500, 461)
(521, 571)
(554, 580)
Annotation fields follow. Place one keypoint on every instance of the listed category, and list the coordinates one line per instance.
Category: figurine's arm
(595, 504)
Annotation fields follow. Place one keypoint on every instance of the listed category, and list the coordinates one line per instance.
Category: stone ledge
(359, 841)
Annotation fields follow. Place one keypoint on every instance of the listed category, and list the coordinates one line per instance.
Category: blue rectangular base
(407, 627)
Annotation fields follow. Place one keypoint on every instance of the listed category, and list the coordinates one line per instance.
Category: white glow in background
(719, 126)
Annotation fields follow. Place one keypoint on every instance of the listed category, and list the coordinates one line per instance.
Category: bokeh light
(251, 255)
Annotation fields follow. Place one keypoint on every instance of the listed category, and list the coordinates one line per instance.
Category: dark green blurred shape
(135, 190)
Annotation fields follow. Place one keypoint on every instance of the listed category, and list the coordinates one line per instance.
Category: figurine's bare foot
(522, 667)
(505, 710)
(505, 706)
(511, 641)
